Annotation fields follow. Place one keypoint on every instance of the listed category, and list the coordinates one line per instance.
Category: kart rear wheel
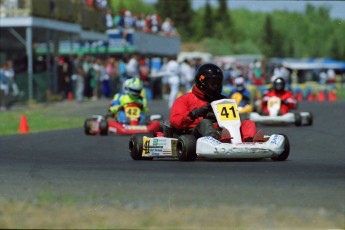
(103, 126)
(87, 126)
(298, 119)
(285, 154)
(186, 148)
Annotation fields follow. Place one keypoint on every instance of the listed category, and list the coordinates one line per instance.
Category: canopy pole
(29, 61)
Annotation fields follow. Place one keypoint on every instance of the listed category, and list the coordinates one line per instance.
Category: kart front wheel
(285, 154)
(136, 144)
(136, 147)
(87, 125)
(186, 148)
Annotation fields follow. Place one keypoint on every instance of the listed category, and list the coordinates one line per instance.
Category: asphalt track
(99, 169)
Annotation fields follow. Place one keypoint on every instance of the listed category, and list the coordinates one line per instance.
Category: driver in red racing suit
(288, 100)
(190, 112)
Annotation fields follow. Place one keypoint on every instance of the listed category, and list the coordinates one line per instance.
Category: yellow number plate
(273, 102)
(227, 112)
(132, 112)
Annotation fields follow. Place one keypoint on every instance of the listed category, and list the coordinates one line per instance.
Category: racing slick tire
(285, 154)
(103, 127)
(309, 119)
(186, 148)
(136, 144)
(298, 119)
(87, 126)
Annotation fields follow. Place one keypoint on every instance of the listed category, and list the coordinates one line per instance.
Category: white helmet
(133, 86)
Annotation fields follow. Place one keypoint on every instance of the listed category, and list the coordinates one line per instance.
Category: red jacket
(288, 101)
(183, 105)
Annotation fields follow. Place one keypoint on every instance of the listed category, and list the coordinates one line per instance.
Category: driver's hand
(211, 116)
(199, 112)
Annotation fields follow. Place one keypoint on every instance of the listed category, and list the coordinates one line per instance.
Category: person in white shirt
(187, 75)
(281, 71)
(132, 67)
(330, 76)
(173, 74)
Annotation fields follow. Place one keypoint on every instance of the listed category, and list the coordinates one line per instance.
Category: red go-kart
(103, 125)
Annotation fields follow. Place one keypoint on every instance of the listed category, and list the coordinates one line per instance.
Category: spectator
(107, 76)
(132, 67)
(323, 77)
(79, 76)
(173, 74)
(4, 90)
(109, 19)
(187, 75)
(10, 75)
(330, 76)
(97, 66)
(258, 75)
(281, 71)
(167, 27)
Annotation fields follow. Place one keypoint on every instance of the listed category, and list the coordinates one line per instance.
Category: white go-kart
(188, 148)
(273, 105)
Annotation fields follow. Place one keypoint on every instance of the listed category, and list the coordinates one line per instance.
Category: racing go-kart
(105, 124)
(274, 118)
(188, 148)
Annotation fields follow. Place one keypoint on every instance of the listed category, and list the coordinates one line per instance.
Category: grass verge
(38, 119)
(24, 214)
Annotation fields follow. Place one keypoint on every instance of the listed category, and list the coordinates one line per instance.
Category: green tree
(174, 9)
(268, 36)
(208, 21)
(223, 16)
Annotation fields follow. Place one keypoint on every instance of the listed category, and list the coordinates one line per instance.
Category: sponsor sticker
(276, 140)
(211, 140)
(136, 127)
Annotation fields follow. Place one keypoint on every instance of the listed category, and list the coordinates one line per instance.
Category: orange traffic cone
(23, 126)
(70, 96)
(321, 96)
(332, 96)
(310, 97)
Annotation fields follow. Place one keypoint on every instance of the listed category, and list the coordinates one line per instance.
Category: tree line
(221, 30)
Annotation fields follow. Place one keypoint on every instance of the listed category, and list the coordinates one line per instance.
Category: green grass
(341, 94)
(38, 119)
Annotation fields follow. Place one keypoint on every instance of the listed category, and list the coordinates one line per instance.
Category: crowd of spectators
(125, 20)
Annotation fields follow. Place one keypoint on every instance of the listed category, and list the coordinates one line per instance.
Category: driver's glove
(284, 102)
(199, 112)
(211, 116)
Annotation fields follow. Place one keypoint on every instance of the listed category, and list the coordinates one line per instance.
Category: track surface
(99, 169)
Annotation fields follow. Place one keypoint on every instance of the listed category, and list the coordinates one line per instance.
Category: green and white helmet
(133, 86)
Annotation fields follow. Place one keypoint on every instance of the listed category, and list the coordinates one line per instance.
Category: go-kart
(274, 118)
(187, 148)
(105, 124)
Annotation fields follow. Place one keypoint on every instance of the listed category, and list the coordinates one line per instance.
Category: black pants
(205, 128)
